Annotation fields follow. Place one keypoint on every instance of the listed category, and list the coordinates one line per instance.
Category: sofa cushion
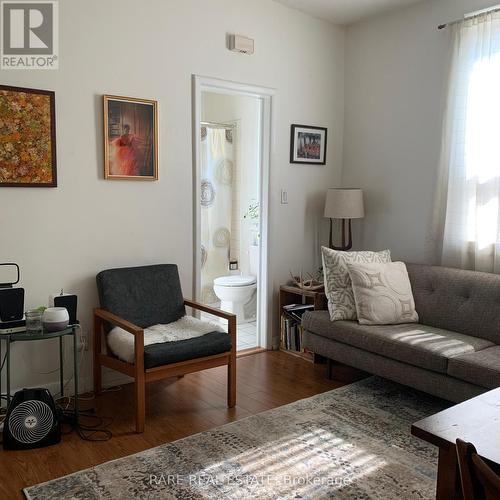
(416, 344)
(463, 301)
(481, 368)
(182, 350)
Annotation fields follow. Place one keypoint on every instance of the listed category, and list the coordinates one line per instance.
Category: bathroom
(230, 209)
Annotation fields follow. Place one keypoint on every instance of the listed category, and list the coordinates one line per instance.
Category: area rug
(352, 442)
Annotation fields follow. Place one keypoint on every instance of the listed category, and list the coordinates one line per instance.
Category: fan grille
(31, 421)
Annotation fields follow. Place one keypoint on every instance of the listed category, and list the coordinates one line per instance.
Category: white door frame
(200, 84)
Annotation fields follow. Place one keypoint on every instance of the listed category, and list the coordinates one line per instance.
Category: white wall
(396, 76)
(62, 237)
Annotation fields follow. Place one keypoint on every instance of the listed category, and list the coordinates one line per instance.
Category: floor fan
(32, 421)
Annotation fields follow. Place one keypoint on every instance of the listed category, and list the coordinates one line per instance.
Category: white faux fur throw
(122, 343)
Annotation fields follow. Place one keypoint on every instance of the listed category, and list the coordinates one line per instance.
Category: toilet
(238, 292)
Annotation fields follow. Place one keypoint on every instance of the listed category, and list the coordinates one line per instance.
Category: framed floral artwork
(130, 138)
(27, 137)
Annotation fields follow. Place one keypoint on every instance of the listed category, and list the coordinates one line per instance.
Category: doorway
(231, 137)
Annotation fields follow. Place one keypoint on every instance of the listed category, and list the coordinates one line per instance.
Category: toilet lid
(235, 280)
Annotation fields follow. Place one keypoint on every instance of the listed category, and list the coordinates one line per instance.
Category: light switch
(284, 197)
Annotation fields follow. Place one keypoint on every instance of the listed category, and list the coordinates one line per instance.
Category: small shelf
(294, 295)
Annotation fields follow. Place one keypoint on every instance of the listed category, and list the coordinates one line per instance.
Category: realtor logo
(29, 35)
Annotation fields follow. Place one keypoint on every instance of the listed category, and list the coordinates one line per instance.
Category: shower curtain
(217, 162)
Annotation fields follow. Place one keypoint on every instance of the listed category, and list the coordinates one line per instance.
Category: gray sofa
(453, 353)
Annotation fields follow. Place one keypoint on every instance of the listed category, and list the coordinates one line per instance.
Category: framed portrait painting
(27, 137)
(130, 138)
(308, 145)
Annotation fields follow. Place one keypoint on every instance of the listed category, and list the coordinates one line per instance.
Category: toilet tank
(254, 260)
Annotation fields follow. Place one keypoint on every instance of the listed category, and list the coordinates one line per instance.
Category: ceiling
(344, 11)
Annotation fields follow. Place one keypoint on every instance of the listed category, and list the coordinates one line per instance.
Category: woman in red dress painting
(126, 154)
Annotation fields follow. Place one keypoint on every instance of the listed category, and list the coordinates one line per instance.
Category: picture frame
(308, 144)
(130, 138)
(28, 153)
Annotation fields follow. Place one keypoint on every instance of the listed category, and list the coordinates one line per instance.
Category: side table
(10, 338)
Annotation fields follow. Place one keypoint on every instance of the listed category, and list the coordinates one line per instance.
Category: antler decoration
(306, 284)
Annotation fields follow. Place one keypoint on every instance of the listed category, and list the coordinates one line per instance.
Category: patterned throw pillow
(338, 288)
(383, 294)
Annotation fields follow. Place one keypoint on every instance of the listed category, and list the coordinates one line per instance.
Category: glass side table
(10, 338)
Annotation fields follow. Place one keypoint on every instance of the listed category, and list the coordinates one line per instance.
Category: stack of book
(291, 326)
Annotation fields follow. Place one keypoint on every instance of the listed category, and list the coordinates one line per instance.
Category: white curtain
(216, 207)
(468, 197)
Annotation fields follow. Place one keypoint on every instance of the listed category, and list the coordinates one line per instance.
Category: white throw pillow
(338, 288)
(383, 294)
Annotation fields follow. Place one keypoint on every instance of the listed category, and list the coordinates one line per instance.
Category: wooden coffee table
(477, 421)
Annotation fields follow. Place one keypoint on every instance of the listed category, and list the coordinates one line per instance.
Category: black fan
(31, 421)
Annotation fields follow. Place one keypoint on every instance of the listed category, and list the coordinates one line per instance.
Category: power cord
(3, 361)
(88, 431)
(95, 430)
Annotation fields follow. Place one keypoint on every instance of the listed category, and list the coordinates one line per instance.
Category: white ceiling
(344, 11)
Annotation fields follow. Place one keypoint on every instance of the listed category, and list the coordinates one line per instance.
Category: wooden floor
(175, 408)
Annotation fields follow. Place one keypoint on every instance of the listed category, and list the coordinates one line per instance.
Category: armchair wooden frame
(143, 375)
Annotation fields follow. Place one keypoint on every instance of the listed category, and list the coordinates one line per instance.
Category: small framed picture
(130, 138)
(27, 137)
(308, 145)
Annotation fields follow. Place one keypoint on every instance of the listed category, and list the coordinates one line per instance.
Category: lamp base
(346, 232)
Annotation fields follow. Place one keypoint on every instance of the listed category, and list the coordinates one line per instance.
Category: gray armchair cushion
(175, 352)
(145, 296)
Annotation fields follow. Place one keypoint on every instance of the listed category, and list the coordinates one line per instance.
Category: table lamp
(344, 204)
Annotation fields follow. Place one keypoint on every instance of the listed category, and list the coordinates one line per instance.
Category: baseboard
(85, 384)
(250, 351)
(55, 388)
(111, 378)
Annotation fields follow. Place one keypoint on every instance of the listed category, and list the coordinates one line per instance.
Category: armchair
(139, 297)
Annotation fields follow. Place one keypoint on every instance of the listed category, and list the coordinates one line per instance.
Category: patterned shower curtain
(216, 207)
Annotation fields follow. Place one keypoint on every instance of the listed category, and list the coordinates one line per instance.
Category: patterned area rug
(352, 442)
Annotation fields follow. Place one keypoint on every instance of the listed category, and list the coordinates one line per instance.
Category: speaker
(11, 304)
(69, 302)
(31, 421)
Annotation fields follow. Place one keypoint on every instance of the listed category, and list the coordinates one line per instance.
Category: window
(471, 147)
